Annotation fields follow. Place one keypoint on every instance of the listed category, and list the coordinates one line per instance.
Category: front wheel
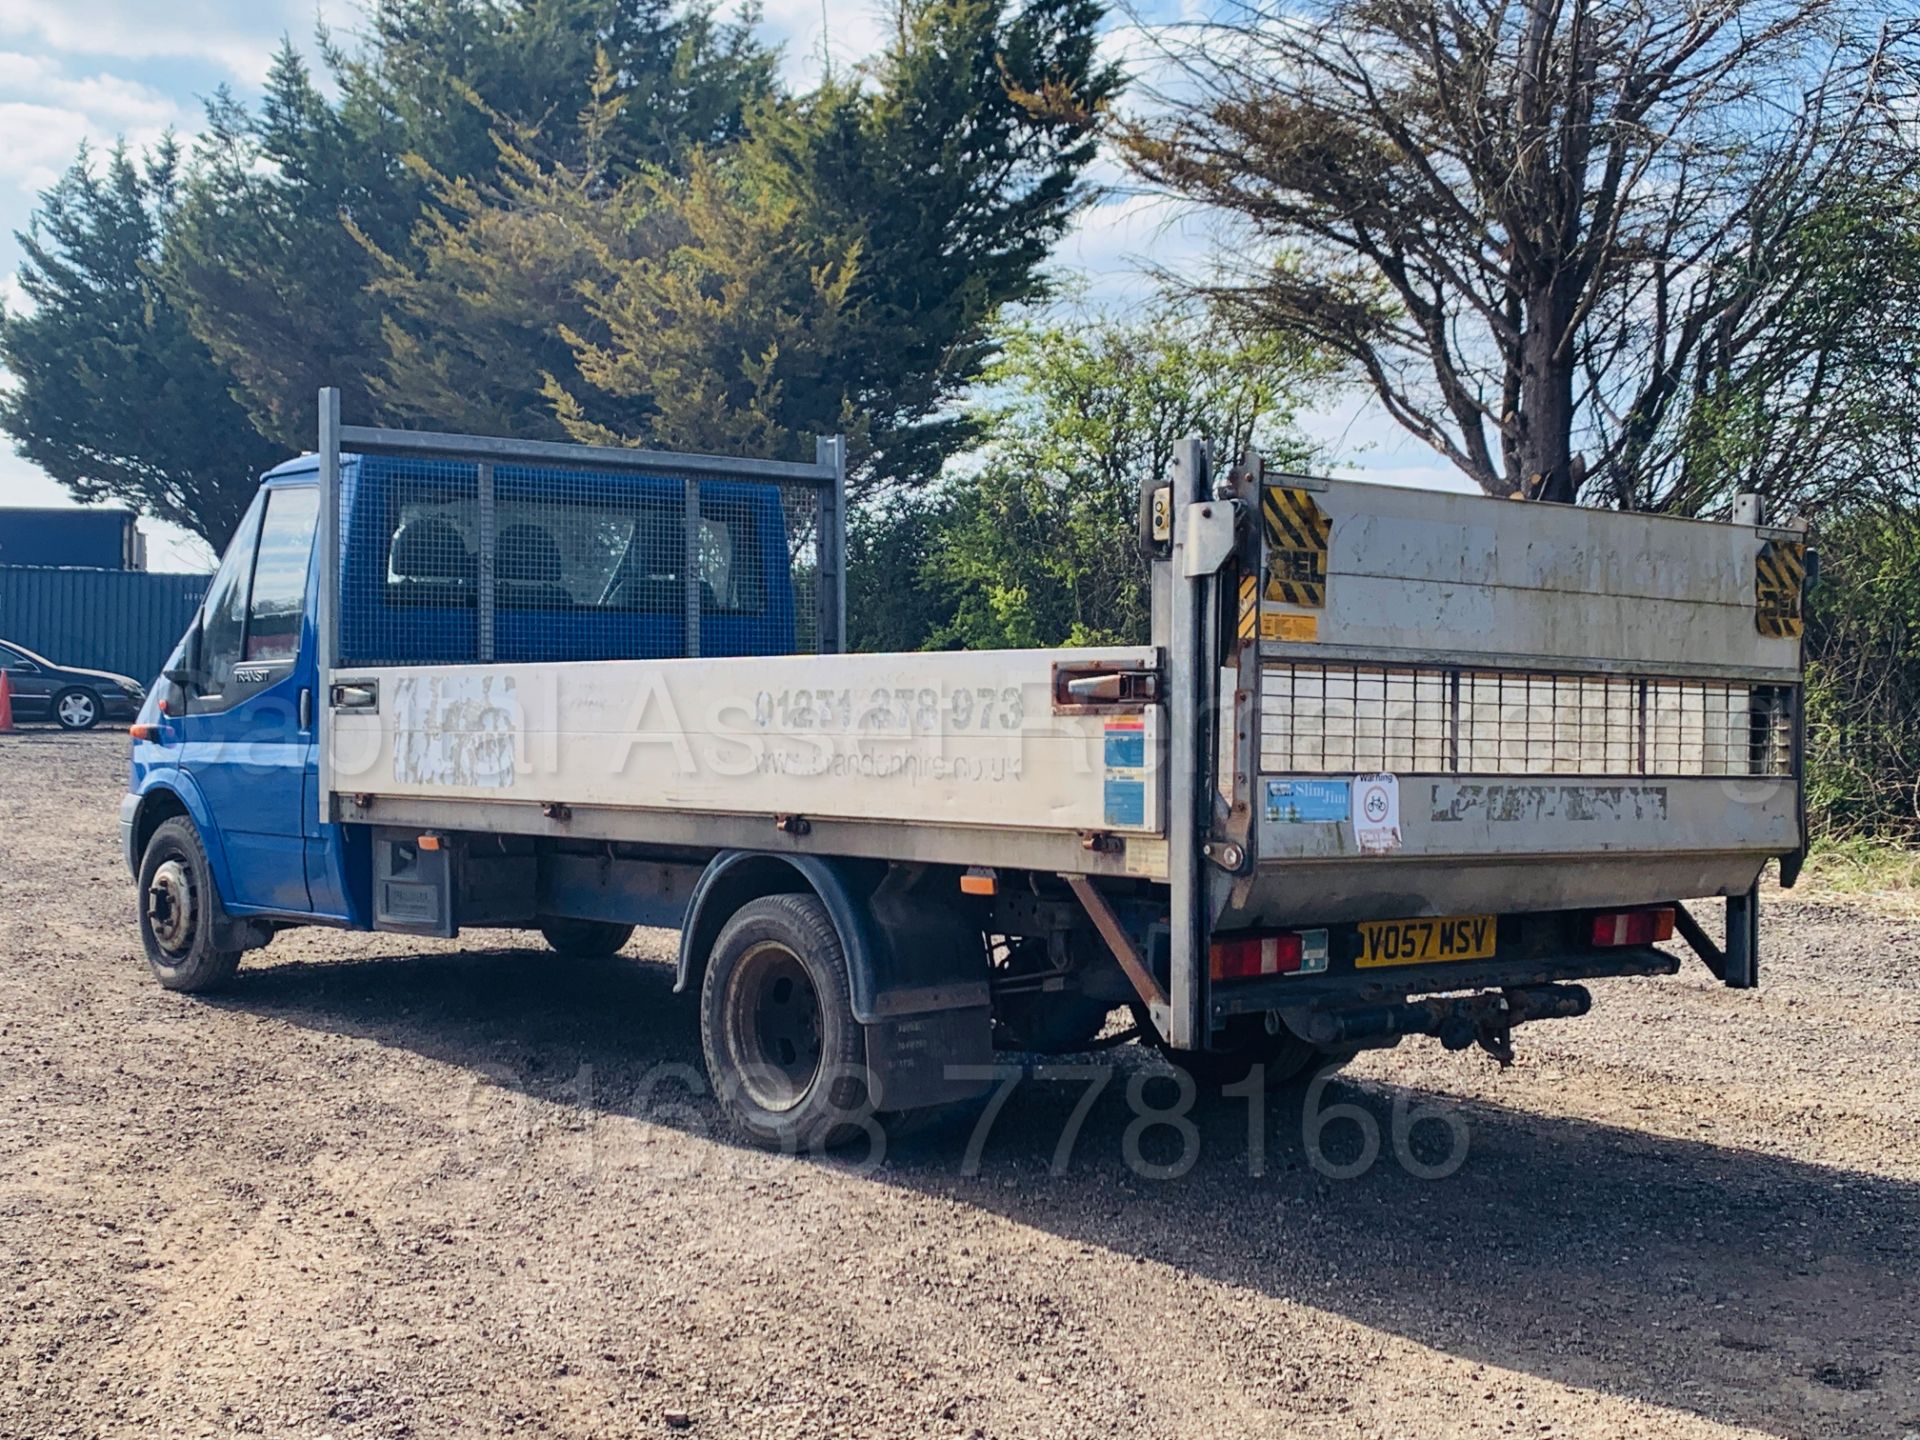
(76, 709)
(782, 1047)
(178, 911)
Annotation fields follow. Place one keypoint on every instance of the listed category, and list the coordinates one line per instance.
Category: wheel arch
(916, 984)
(171, 793)
(733, 878)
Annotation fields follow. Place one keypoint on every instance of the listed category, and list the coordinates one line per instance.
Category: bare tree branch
(1562, 240)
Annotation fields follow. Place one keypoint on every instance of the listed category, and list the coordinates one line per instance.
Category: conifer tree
(110, 391)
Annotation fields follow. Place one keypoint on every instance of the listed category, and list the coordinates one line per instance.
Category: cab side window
(223, 623)
(257, 602)
(17, 663)
(280, 575)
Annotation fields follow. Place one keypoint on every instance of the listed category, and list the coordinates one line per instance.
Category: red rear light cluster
(1249, 957)
(1632, 927)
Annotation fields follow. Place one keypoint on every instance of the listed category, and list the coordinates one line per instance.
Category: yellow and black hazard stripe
(1249, 606)
(1297, 530)
(1779, 574)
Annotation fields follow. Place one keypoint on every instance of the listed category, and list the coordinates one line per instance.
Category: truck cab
(583, 568)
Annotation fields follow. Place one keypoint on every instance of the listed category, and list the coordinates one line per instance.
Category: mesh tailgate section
(1337, 718)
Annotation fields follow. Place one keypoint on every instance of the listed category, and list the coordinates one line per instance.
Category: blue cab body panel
(246, 775)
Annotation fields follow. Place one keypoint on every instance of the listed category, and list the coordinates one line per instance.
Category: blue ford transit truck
(1392, 763)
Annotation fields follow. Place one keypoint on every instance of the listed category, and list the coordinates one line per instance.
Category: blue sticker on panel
(1126, 747)
(1308, 802)
(1126, 802)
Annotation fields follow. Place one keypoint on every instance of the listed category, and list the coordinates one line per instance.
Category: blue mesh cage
(455, 561)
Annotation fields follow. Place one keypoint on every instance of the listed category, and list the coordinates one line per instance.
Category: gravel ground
(392, 1188)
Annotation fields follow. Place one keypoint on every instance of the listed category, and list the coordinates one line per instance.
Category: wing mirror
(184, 672)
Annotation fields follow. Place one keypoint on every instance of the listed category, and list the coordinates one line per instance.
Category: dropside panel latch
(1097, 687)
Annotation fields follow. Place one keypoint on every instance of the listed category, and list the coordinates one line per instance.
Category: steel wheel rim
(775, 1024)
(76, 711)
(170, 907)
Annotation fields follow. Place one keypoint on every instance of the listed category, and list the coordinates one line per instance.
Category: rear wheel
(776, 1025)
(76, 709)
(585, 939)
(178, 912)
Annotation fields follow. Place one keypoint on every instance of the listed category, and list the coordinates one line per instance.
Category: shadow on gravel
(1746, 1288)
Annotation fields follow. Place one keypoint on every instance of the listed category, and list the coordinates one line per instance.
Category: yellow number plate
(1422, 942)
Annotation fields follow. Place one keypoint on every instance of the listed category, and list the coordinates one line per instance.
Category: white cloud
(37, 142)
(46, 112)
(104, 94)
(236, 38)
(1364, 443)
(808, 30)
(171, 548)
(1122, 242)
(22, 484)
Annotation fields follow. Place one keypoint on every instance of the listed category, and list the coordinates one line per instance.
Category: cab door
(247, 735)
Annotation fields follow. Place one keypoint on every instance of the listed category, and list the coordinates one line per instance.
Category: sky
(101, 70)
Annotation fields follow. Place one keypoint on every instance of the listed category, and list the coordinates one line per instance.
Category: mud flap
(412, 885)
(925, 1006)
(1743, 940)
(1738, 965)
(913, 1060)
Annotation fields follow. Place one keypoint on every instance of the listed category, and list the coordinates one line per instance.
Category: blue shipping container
(126, 621)
(70, 536)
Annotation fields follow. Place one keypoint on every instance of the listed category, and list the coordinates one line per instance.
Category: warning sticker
(1376, 814)
(1125, 783)
(1296, 532)
(1279, 625)
(1779, 572)
(1126, 738)
(1126, 802)
(1249, 605)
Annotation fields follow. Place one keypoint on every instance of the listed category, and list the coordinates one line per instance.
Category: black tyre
(585, 939)
(76, 709)
(783, 1050)
(179, 911)
(1283, 1057)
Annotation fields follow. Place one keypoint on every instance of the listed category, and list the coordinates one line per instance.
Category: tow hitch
(1458, 1021)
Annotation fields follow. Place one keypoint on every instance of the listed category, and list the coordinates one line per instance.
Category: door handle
(355, 695)
(306, 708)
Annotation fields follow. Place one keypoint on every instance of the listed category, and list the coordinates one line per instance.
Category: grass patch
(1861, 866)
